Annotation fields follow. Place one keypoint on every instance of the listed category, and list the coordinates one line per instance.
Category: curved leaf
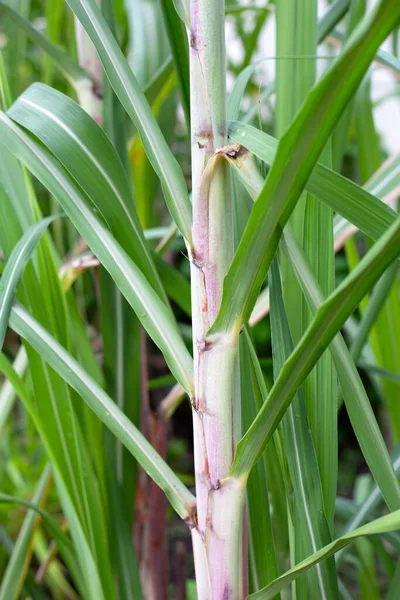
(152, 312)
(298, 151)
(358, 406)
(134, 101)
(385, 524)
(74, 73)
(15, 573)
(89, 156)
(13, 385)
(14, 269)
(354, 203)
(64, 544)
(361, 414)
(97, 399)
(327, 322)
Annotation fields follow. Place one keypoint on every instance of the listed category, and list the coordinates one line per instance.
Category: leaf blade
(136, 105)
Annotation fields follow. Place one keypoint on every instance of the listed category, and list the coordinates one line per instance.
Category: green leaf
(178, 41)
(175, 284)
(374, 306)
(125, 555)
(182, 8)
(297, 154)
(64, 426)
(262, 566)
(382, 57)
(367, 507)
(91, 573)
(137, 107)
(17, 567)
(327, 322)
(357, 403)
(394, 590)
(88, 155)
(312, 225)
(385, 524)
(97, 399)
(312, 531)
(356, 204)
(5, 94)
(76, 75)
(14, 269)
(379, 371)
(358, 406)
(331, 18)
(152, 312)
(236, 95)
(64, 544)
(13, 384)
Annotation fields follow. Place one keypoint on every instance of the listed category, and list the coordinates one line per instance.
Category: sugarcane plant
(93, 253)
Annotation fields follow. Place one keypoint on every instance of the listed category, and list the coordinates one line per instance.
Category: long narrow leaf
(327, 321)
(354, 203)
(312, 531)
(14, 269)
(384, 524)
(62, 362)
(18, 565)
(152, 312)
(297, 154)
(77, 76)
(88, 155)
(136, 105)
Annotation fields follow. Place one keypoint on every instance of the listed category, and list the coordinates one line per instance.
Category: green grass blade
(382, 57)
(356, 204)
(156, 83)
(312, 530)
(56, 414)
(152, 312)
(328, 320)
(297, 154)
(341, 132)
(86, 152)
(236, 95)
(384, 524)
(380, 371)
(74, 73)
(358, 406)
(176, 286)
(262, 565)
(64, 544)
(125, 555)
(5, 94)
(394, 590)
(14, 269)
(55, 15)
(136, 105)
(372, 311)
(312, 225)
(94, 585)
(9, 389)
(18, 565)
(68, 368)
(331, 18)
(357, 402)
(366, 508)
(121, 333)
(178, 40)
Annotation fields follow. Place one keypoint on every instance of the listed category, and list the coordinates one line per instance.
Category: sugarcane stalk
(218, 532)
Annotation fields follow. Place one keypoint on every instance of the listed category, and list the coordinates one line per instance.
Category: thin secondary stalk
(217, 537)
